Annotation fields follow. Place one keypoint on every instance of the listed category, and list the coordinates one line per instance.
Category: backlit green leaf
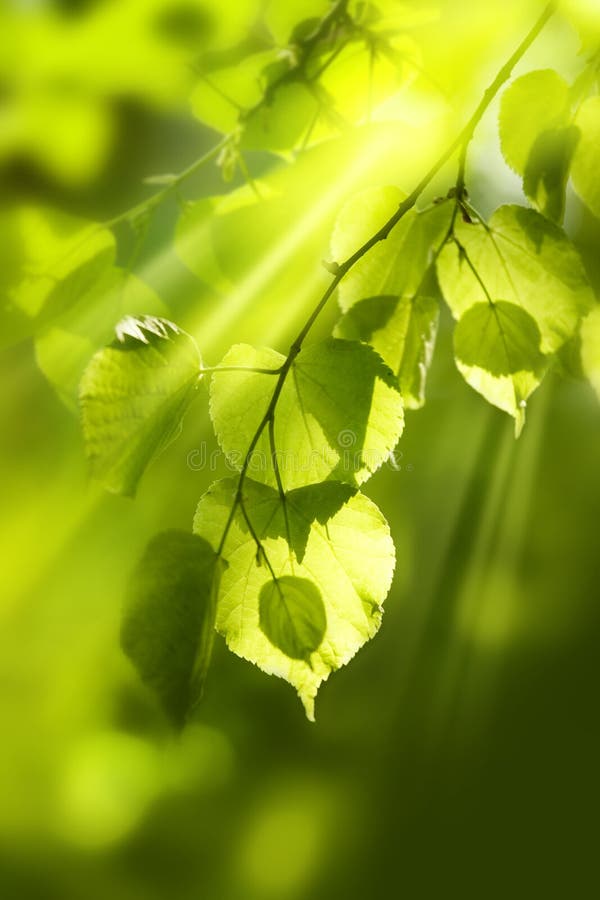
(522, 258)
(384, 270)
(133, 396)
(586, 160)
(338, 416)
(547, 170)
(402, 330)
(538, 137)
(531, 105)
(348, 557)
(397, 313)
(497, 350)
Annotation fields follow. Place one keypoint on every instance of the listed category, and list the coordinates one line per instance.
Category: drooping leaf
(348, 556)
(497, 350)
(402, 330)
(590, 348)
(292, 615)
(532, 104)
(339, 413)
(586, 160)
(133, 395)
(538, 137)
(522, 258)
(169, 617)
(385, 264)
(397, 313)
(48, 259)
(64, 348)
(547, 170)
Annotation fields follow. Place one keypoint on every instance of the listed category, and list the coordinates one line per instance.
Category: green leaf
(64, 348)
(48, 259)
(292, 615)
(402, 330)
(219, 96)
(348, 557)
(280, 121)
(497, 350)
(538, 137)
(282, 18)
(534, 103)
(339, 414)
(384, 270)
(133, 396)
(194, 245)
(547, 170)
(390, 295)
(522, 258)
(590, 348)
(586, 160)
(169, 617)
(368, 79)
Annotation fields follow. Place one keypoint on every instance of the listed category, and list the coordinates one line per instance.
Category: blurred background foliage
(459, 752)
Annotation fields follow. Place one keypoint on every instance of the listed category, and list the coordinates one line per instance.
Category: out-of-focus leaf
(283, 18)
(590, 348)
(169, 616)
(280, 122)
(64, 348)
(362, 80)
(220, 96)
(48, 260)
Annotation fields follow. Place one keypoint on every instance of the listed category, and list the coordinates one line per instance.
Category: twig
(461, 144)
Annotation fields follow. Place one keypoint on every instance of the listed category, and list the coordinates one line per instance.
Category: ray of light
(486, 616)
(374, 156)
